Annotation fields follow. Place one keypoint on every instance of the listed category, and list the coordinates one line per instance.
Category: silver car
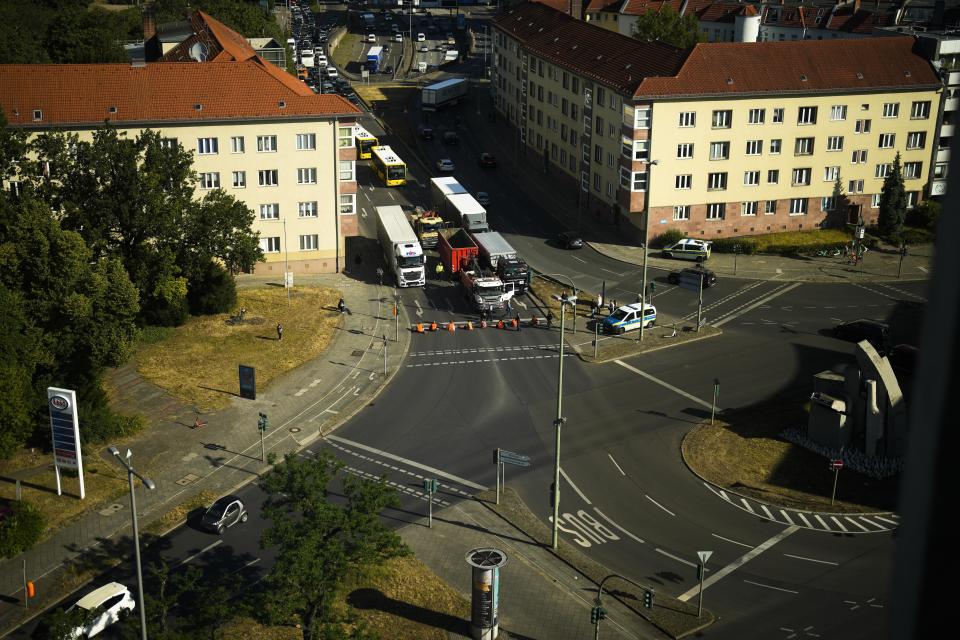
(224, 513)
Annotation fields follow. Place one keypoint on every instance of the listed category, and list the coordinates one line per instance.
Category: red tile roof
(711, 11)
(779, 68)
(559, 5)
(222, 44)
(639, 7)
(602, 5)
(78, 95)
(615, 60)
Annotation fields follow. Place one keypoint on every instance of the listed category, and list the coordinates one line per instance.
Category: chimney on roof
(149, 22)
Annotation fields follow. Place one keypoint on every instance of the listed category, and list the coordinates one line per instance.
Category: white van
(398, 37)
(371, 37)
(422, 66)
(321, 62)
(332, 73)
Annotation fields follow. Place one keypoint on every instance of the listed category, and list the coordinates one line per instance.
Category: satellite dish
(198, 52)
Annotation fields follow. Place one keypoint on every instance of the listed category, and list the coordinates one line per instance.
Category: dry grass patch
(343, 54)
(545, 290)
(198, 363)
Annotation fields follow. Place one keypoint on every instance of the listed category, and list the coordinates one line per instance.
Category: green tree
(62, 623)
(86, 36)
(246, 18)
(668, 26)
(18, 354)
(164, 590)
(320, 543)
(841, 203)
(893, 203)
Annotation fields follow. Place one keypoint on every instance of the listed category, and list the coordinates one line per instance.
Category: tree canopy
(666, 25)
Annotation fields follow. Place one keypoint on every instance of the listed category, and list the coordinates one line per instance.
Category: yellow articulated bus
(388, 165)
(365, 141)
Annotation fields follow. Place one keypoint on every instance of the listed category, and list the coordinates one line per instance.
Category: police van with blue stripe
(629, 317)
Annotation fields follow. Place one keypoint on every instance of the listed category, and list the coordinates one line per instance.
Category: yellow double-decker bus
(365, 141)
(388, 165)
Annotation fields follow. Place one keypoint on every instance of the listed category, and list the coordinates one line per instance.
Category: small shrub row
(789, 243)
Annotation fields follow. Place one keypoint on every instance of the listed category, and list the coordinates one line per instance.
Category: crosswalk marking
(838, 523)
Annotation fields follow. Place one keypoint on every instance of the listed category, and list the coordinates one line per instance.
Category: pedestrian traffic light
(648, 598)
(262, 422)
(553, 494)
(594, 615)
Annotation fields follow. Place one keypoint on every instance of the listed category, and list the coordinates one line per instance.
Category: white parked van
(371, 37)
(398, 37)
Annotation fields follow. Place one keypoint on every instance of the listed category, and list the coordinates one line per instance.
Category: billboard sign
(248, 382)
(65, 431)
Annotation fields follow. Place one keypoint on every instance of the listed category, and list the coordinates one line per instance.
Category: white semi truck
(401, 249)
(444, 93)
(457, 205)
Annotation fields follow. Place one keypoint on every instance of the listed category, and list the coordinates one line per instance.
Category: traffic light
(597, 614)
(648, 598)
(262, 422)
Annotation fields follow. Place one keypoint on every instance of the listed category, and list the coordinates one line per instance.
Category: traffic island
(609, 348)
(671, 616)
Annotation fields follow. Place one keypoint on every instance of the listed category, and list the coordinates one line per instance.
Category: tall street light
(646, 230)
(148, 483)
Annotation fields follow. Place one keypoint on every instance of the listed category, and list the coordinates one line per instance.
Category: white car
(424, 48)
(332, 72)
(421, 37)
(483, 198)
(446, 165)
(103, 607)
(371, 37)
(398, 37)
(687, 249)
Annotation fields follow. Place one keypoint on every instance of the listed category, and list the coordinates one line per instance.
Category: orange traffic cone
(499, 324)
(419, 327)
(513, 323)
(451, 327)
(433, 326)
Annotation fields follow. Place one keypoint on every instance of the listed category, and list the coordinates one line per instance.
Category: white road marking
(419, 310)
(887, 520)
(838, 523)
(315, 382)
(811, 559)
(670, 555)
(616, 465)
(665, 384)
(767, 511)
(742, 544)
(737, 313)
(820, 520)
(201, 552)
(581, 260)
(805, 521)
(659, 505)
(300, 393)
(924, 269)
(618, 527)
(747, 505)
(385, 454)
(575, 487)
(787, 517)
(739, 562)
(613, 272)
(856, 524)
(370, 377)
(523, 305)
(767, 586)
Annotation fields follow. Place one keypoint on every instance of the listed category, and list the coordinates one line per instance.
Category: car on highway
(687, 249)
(451, 137)
(371, 37)
(388, 70)
(223, 514)
(709, 277)
(570, 240)
(628, 317)
(873, 331)
(483, 198)
(102, 607)
(426, 133)
(332, 72)
(421, 37)
(424, 48)
(487, 160)
(446, 165)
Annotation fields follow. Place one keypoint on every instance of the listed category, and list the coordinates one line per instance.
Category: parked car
(446, 165)
(424, 48)
(483, 198)
(687, 249)
(709, 277)
(451, 137)
(388, 70)
(224, 513)
(487, 160)
(426, 133)
(103, 607)
(570, 240)
(874, 332)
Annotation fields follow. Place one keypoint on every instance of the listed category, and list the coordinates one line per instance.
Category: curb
(657, 348)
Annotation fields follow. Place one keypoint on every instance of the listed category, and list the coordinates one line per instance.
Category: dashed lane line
(482, 360)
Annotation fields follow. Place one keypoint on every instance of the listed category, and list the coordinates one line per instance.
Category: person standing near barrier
(439, 270)
(599, 304)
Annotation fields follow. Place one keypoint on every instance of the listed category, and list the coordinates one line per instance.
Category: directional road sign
(516, 459)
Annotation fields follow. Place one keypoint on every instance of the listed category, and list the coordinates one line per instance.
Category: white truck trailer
(443, 94)
(464, 211)
(401, 249)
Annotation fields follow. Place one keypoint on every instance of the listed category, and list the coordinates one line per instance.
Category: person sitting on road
(341, 305)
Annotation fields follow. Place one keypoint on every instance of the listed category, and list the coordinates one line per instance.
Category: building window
(306, 141)
(597, 153)
(835, 143)
(563, 106)
(838, 112)
(756, 116)
(770, 208)
(748, 208)
(207, 146)
(641, 118)
(688, 119)
(307, 176)
(773, 176)
(685, 151)
(575, 85)
(754, 147)
(827, 203)
(715, 211)
(344, 137)
(920, 110)
(639, 181)
(348, 203)
(916, 140)
(239, 179)
(681, 212)
(641, 149)
(270, 245)
(940, 170)
(721, 119)
(599, 126)
(268, 177)
(307, 209)
(777, 116)
(266, 143)
(912, 170)
(831, 173)
(270, 211)
(801, 177)
(775, 146)
(596, 182)
(803, 147)
(798, 206)
(168, 143)
(887, 140)
(862, 126)
(574, 112)
(891, 109)
(237, 144)
(346, 170)
(807, 115)
(719, 150)
(716, 181)
(751, 178)
(683, 181)
(859, 156)
(308, 242)
(875, 201)
(210, 180)
(855, 186)
(882, 170)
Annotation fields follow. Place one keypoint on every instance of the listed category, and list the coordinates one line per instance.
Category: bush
(668, 237)
(925, 215)
(788, 243)
(214, 291)
(167, 306)
(913, 235)
(20, 529)
(727, 245)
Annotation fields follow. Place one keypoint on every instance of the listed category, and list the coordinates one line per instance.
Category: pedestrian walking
(610, 307)
(279, 331)
(518, 321)
(439, 270)
(549, 319)
(639, 298)
(599, 302)
(509, 307)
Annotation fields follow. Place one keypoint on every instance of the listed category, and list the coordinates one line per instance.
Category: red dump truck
(455, 247)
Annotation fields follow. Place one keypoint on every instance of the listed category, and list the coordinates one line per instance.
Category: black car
(224, 513)
(709, 277)
(874, 332)
(426, 133)
(487, 160)
(451, 137)
(388, 70)
(570, 240)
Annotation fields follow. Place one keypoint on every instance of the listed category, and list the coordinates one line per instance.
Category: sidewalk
(225, 454)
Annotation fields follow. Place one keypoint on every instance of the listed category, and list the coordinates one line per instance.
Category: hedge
(787, 243)
(20, 529)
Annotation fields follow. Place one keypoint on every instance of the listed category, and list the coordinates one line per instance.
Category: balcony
(953, 79)
(946, 130)
(951, 104)
(943, 155)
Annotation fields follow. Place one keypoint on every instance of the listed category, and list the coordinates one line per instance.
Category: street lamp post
(558, 422)
(646, 230)
(148, 483)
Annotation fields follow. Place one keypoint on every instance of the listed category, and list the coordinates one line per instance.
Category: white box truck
(442, 94)
(442, 187)
(466, 212)
(401, 249)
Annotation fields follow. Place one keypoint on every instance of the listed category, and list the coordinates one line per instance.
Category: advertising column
(66, 434)
(485, 591)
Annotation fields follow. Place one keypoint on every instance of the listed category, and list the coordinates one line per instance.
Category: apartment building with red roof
(723, 138)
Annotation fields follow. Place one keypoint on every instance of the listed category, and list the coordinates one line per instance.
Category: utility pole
(558, 422)
(262, 428)
(646, 240)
